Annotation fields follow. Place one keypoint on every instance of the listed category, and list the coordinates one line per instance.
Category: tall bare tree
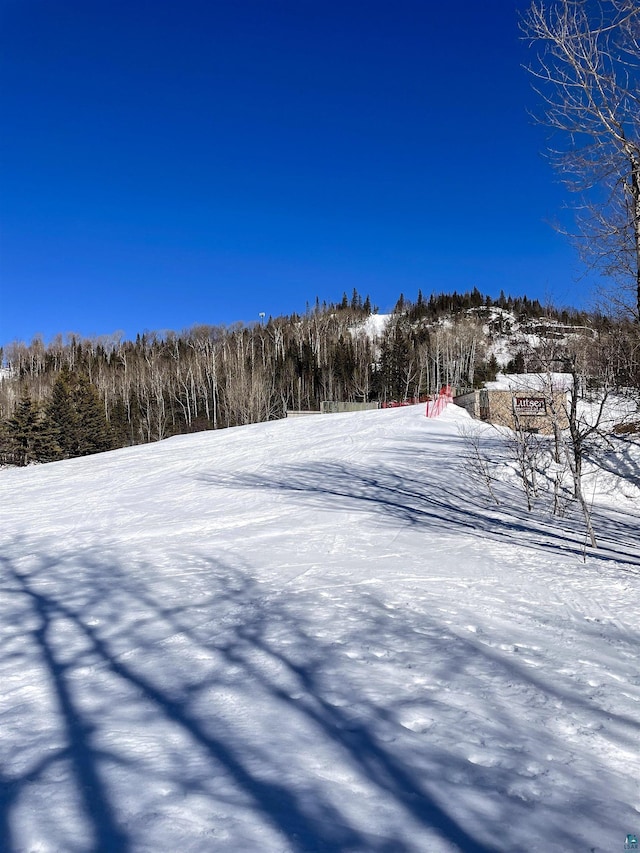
(587, 72)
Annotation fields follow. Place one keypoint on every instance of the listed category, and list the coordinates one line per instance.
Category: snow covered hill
(313, 635)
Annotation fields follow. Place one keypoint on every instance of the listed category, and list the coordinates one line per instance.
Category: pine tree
(394, 358)
(22, 429)
(77, 417)
(120, 428)
(62, 415)
(92, 430)
(356, 301)
(29, 438)
(6, 455)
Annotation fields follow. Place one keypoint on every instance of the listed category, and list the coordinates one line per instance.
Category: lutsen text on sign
(530, 405)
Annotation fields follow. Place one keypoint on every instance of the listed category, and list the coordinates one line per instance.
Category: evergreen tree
(6, 456)
(121, 430)
(517, 364)
(394, 358)
(28, 435)
(486, 371)
(92, 430)
(62, 415)
(22, 428)
(77, 417)
(356, 301)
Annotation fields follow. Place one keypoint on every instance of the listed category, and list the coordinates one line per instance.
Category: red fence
(436, 405)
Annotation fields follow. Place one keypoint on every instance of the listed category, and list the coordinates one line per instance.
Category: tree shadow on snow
(426, 499)
(103, 641)
(71, 643)
(624, 461)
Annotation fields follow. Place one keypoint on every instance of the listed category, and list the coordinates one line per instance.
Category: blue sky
(164, 164)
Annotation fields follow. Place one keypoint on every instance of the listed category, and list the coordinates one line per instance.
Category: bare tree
(581, 426)
(587, 73)
(479, 463)
(526, 450)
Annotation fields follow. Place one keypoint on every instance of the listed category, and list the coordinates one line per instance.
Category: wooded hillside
(76, 396)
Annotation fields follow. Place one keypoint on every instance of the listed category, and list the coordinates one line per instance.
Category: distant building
(526, 400)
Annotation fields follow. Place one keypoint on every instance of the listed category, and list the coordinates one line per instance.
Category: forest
(73, 396)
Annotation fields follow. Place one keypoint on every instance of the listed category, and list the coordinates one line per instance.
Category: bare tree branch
(587, 74)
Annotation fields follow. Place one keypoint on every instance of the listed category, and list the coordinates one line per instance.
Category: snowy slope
(312, 635)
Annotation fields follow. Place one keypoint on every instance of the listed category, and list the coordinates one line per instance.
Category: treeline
(73, 396)
(440, 305)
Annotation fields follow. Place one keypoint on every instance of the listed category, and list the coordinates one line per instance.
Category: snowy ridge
(313, 635)
(508, 335)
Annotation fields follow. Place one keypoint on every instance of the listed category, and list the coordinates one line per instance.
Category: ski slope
(314, 635)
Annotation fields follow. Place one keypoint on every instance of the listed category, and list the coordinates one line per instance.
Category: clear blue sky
(169, 163)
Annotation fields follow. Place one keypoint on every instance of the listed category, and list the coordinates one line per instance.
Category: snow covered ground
(314, 635)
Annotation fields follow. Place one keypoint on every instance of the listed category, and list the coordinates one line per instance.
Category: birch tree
(587, 73)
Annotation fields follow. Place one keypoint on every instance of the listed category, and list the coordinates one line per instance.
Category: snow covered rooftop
(531, 382)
